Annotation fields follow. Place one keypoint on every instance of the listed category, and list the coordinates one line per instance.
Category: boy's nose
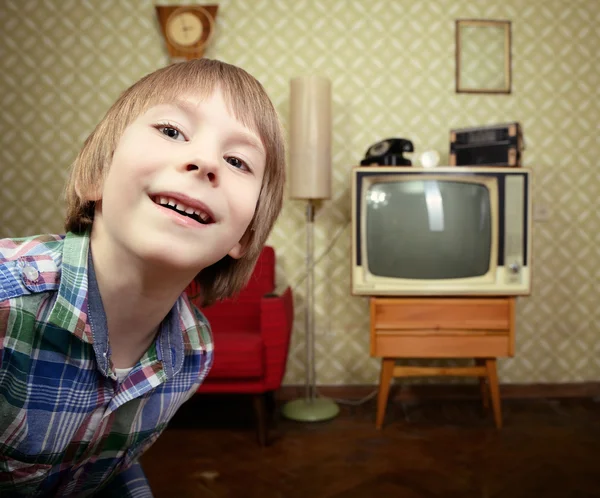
(205, 168)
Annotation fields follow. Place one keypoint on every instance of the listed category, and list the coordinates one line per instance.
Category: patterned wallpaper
(391, 63)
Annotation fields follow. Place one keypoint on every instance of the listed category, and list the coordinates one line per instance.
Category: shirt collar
(69, 310)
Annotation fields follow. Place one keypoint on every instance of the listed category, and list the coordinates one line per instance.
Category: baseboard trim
(448, 391)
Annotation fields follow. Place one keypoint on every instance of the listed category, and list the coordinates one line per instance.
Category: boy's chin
(174, 261)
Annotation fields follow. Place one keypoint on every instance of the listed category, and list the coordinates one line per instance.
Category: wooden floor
(447, 448)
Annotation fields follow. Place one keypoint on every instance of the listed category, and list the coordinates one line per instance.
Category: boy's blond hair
(248, 102)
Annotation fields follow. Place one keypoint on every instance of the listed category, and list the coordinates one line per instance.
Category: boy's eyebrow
(245, 138)
(249, 140)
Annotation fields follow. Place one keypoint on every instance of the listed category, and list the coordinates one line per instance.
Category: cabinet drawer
(417, 344)
(445, 313)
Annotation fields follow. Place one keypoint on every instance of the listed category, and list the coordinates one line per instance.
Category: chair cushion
(237, 355)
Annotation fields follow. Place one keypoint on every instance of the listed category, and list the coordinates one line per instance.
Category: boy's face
(183, 185)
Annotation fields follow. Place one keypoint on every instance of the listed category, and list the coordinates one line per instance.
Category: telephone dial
(388, 152)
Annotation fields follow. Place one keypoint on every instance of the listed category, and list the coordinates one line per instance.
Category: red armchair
(251, 334)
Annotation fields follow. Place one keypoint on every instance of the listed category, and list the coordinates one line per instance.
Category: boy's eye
(171, 132)
(237, 163)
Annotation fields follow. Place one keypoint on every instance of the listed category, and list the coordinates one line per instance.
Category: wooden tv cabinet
(482, 328)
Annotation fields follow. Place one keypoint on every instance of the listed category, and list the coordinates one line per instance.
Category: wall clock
(187, 29)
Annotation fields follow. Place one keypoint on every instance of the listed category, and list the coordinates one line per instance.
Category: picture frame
(483, 56)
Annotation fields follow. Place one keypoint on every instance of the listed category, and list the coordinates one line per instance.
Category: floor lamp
(310, 180)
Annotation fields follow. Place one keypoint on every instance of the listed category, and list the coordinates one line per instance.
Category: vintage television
(441, 231)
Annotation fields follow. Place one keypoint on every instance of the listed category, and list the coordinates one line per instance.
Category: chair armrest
(276, 321)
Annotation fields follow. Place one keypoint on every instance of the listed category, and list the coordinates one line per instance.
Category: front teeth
(165, 201)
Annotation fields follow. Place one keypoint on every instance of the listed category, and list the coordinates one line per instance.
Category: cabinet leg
(492, 374)
(387, 372)
(485, 393)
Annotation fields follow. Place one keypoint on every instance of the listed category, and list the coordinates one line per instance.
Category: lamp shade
(310, 138)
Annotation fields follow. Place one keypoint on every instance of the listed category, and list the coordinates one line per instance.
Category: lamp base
(310, 410)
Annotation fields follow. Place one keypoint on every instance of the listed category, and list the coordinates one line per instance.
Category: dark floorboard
(547, 448)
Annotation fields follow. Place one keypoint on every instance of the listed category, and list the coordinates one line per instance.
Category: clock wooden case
(187, 29)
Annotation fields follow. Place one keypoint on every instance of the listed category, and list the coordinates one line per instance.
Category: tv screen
(428, 229)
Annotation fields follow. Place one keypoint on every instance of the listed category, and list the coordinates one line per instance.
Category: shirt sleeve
(130, 483)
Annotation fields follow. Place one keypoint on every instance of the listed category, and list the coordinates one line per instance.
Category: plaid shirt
(55, 373)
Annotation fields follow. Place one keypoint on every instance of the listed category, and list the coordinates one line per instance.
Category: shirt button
(31, 273)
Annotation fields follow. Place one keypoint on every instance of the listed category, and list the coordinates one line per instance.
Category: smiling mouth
(179, 207)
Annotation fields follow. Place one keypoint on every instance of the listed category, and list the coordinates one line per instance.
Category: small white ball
(430, 159)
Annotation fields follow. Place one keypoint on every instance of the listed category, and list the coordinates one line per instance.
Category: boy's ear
(96, 189)
(237, 252)
(240, 248)
(93, 193)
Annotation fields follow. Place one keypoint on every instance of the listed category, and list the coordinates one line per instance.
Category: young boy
(99, 345)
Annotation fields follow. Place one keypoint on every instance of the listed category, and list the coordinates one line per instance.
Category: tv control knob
(514, 268)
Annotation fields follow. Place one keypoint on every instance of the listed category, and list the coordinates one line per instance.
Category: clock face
(187, 29)
(184, 29)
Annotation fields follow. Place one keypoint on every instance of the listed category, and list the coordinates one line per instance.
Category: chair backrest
(242, 312)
